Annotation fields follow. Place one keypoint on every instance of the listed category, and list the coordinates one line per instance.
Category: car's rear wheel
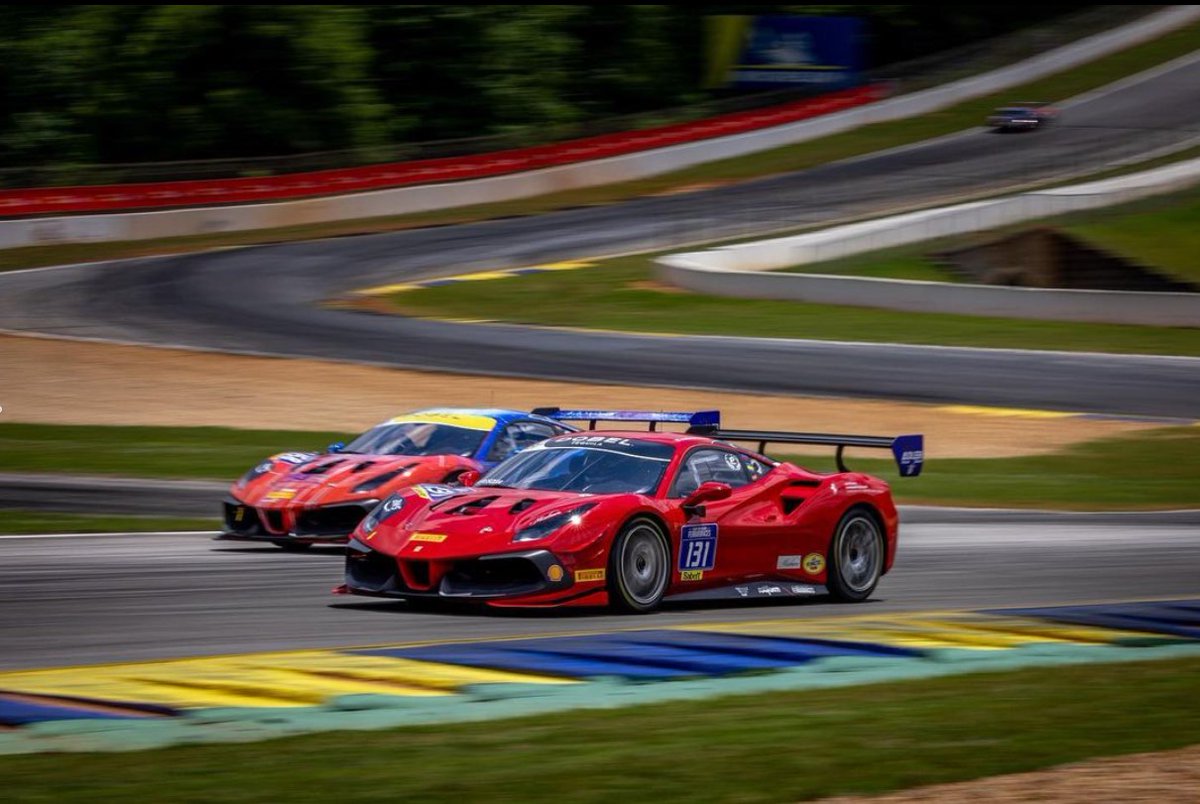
(639, 567)
(856, 556)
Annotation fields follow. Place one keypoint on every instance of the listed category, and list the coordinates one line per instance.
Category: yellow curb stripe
(478, 276)
(1019, 413)
(952, 630)
(260, 680)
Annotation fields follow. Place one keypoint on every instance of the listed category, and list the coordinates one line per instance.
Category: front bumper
(330, 524)
(524, 574)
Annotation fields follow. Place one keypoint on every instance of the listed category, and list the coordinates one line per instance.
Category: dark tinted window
(518, 436)
(715, 465)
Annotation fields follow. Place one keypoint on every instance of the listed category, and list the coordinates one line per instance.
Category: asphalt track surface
(93, 599)
(265, 299)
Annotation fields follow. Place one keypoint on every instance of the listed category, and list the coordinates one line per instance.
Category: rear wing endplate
(700, 421)
(907, 450)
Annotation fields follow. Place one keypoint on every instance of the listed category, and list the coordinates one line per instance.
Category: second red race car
(297, 499)
(629, 518)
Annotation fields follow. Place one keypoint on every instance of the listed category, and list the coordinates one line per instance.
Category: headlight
(544, 527)
(379, 480)
(382, 512)
(256, 472)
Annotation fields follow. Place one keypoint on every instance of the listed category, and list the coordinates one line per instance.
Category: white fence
(743, 270)
(400, 201)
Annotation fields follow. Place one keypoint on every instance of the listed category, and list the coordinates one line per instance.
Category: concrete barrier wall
(742, 270)
(400, 201)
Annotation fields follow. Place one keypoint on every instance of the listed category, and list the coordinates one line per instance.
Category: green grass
(760, 748)
(220, 453)
(792, 157)
(1152, 469)
(616, 295)
(1160, 233)
(23, 521)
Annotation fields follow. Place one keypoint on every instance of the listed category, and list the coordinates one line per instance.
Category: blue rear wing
(908, 450)
(700, 421)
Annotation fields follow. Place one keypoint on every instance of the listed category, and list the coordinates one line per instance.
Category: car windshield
(585, 464)
(418, 438)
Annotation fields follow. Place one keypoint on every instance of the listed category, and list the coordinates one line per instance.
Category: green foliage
(113, 84)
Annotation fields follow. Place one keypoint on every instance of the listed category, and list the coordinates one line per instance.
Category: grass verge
(13, 521)
(1152, 469)
(773, 747)
(779, 160)
(620, 294)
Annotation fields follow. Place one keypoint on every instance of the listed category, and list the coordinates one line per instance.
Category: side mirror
(336, 446)
(709, 491)
(469, 478)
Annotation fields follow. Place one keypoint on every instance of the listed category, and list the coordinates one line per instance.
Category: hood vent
(521, 505)
(322, 468)
(361, 466)
(472, 506)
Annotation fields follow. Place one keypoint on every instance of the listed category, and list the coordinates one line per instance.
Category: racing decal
(294, 457)
(732, 462)
(756, 590)
(554, 573)
(755, 468)
(239, 513)
(595, 441)
(280, 494)
(438, 491)
(589, 575)
(390, 506)
(427, 537)
(814, 563)
(788, 562)
(698, 546)
(469, 421)
(691, 575)
(797, 589)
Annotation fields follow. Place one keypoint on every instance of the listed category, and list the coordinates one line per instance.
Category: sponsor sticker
(691, 575)
(732, 462)
(437, 491)
(768, 591)
(744, 591)
(698, 546)
(427, 537)
(589, 575)
(788, 562)
(295, 457)
(469, 421)
(797, 589)
(814, 563)
(554, 573)
(281, 494)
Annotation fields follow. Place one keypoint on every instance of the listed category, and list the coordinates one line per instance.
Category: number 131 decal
(698, 547)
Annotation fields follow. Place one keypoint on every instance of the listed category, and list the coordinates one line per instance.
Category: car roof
(500, 415)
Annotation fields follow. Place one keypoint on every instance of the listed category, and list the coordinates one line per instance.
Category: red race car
(297, 499)
(628, 518)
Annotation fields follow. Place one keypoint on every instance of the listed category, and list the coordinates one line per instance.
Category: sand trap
(67, 382)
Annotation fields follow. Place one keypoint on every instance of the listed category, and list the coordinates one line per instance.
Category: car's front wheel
(856, 556)
(639, 567)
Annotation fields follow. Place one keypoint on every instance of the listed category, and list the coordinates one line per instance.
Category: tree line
(112, 84)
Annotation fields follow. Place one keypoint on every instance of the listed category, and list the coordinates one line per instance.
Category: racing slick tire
(856, 557)
(639, 567)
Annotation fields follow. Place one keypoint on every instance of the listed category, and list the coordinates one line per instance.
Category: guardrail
(743, 270)
(651, 161)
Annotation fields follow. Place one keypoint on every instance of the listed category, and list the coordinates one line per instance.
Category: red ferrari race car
(297, 499)
(628, 518)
